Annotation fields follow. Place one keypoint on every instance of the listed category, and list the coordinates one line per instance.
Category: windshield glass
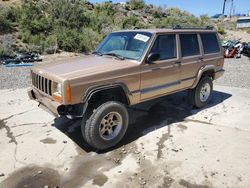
(129, 45)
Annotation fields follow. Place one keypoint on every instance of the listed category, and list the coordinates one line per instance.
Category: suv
(127, 68)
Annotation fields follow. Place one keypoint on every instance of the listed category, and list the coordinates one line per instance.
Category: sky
(199, 7)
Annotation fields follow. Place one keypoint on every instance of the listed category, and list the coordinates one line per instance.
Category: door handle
(156, 69)
(177, 63)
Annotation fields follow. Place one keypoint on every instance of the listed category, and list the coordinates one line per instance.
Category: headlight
(59, 88)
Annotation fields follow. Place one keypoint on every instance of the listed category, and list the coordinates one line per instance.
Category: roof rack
(194, 28)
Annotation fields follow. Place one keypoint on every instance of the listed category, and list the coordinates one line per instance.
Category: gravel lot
(14, 78)
(19, 77)
(236, 75)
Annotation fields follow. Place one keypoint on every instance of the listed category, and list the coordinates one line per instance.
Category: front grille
(41, 83)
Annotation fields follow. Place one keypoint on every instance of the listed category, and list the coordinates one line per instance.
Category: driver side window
(165, 45)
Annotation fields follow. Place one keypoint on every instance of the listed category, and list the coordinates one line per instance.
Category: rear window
(210, 43)
(189, 45)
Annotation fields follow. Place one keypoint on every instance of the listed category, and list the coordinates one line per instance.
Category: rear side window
(189, 45)
(165, 45)
(210, 43)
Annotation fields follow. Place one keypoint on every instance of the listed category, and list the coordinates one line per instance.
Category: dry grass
(10, 2)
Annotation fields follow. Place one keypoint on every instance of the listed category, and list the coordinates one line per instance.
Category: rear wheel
(106, 126)
(202, 93)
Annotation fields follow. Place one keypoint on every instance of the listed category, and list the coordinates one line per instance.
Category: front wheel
(202, 93)
(106, 126)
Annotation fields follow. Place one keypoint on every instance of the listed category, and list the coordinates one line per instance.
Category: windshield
(128, 45)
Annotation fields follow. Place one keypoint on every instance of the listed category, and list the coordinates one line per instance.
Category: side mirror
(153, 57)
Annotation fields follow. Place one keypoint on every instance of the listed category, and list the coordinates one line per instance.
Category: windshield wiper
(115, 55)
(97, 53)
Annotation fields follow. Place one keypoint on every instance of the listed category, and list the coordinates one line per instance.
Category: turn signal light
(57, 98)
(68, 93)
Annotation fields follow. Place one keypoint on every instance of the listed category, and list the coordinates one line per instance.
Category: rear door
(212, 51)
(162, 76)
(191, 58)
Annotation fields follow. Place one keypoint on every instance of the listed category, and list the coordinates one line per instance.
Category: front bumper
(55, 108)
(44, 102)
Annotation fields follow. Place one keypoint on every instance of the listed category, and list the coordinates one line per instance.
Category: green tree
(6, 18)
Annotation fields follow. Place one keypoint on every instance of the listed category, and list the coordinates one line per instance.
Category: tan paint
(143, 81)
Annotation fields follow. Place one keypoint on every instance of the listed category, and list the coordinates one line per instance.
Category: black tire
(91, 124)
(194, 94)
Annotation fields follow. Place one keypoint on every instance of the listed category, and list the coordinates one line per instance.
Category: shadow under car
(144, 118)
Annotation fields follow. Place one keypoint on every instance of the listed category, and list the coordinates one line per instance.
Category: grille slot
(41, 83)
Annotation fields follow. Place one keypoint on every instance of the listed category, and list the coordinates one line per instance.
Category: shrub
(221, 30)
(89, 39)
(177, 17)
(78, 26)
(3, 51)
(5, 45)
(136, 4)
(50, 44)
(130, 22)
(68, 40)
(5, 22)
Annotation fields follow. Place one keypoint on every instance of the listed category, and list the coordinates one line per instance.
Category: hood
(84, 65)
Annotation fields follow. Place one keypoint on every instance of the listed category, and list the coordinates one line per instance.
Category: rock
(65, 142)
(136, 152)
(138, 158)
(2, 174)
(143, 183)
(39, 172)
(175, 150)
(116, 160)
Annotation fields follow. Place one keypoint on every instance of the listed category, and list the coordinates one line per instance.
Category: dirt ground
(168, 144)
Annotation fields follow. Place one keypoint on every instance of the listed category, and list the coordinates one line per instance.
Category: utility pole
(223, 10)
(231, 9)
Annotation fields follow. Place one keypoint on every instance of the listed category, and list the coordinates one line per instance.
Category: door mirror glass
(153, 57)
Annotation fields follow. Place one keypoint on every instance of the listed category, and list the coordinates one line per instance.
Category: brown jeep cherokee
(127, 68)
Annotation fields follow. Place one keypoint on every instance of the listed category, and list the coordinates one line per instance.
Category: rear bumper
(219, 73)
(44, 102)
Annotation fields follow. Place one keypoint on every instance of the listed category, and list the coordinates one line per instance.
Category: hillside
(78, 26)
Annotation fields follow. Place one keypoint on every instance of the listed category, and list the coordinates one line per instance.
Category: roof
(169, 30)
(244, 18)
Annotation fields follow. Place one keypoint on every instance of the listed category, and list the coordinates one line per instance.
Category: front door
(162, 76)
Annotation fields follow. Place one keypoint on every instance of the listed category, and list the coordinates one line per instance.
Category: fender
(92, 90)
(201, 71)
